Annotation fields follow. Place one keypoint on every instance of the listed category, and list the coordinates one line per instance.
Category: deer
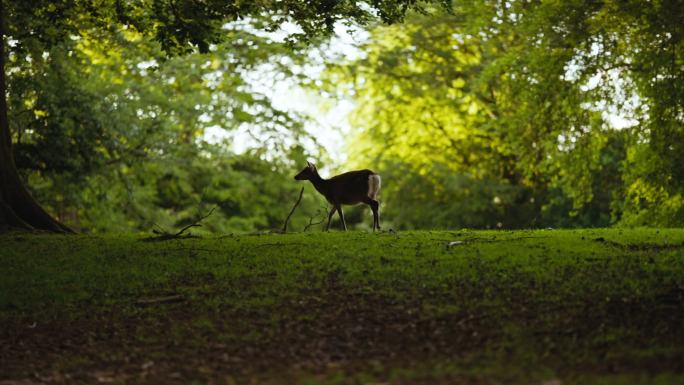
(350, 188)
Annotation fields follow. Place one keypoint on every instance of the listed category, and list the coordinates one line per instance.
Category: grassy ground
(459, 307)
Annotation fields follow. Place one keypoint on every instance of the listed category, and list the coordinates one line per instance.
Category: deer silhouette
(350, 188)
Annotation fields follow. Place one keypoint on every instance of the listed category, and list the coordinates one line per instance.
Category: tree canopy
(82, 97)
(487, 114)
(502, 114)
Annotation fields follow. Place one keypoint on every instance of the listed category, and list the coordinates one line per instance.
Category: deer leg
(375, 207)
(332, 211)
(344, 224)
(377, 219)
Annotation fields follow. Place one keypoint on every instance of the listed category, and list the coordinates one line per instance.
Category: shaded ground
(542, 307)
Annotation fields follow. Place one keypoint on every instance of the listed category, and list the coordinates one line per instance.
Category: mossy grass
(597, 306)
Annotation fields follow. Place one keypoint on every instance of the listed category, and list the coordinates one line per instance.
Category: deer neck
(319, 184)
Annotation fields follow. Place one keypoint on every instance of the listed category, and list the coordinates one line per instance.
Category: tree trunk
(18, 209)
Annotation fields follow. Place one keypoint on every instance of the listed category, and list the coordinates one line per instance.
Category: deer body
(350, 188)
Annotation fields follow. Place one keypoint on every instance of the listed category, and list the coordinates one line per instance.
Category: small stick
(311, 219)
(301, 192)
(153, 301)
(196, 224)
(163, 235)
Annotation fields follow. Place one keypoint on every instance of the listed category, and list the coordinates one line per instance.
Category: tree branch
(324, 209)
(301, 192)
(164, 235)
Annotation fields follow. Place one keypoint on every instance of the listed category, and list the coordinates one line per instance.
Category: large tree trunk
(18, 209)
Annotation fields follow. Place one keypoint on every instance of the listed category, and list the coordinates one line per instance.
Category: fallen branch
(640, 247)
(287, 220)
(163, 235)
(158, 300)
(470, 241)
(312, 223)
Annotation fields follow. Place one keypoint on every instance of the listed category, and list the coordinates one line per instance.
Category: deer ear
(309, 164)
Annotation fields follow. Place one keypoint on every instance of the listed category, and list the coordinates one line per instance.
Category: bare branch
(163, 235)
(158, 300)
(287, 220)
(324, 210)
(196, 223)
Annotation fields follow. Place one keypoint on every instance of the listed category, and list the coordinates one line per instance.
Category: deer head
(308, 172)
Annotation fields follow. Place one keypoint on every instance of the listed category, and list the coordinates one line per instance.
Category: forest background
(481, 114)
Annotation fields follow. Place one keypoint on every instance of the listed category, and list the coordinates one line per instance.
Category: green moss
(585, 306)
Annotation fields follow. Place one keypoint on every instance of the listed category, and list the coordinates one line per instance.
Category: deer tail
(373, 185)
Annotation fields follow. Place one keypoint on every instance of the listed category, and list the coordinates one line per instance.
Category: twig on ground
(469, 241)
(323, 209)
(154, 301)
(163, 235)
(640, 247)
(301, 192)
(279, 244)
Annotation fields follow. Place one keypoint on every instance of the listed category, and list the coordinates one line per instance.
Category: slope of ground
(431, 307)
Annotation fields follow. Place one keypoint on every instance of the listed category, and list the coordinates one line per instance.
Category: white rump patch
(373, 185)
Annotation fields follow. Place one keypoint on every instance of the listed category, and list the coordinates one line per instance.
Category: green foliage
(516, 97)
(109, 122)
(478, 114)
(112, 136)
(186, 26)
